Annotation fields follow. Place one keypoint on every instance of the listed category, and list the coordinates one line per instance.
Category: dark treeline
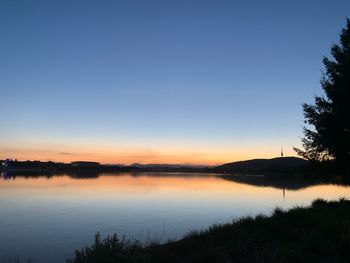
(284, 168)
(37, 167)
(275, 166)
(87, 169)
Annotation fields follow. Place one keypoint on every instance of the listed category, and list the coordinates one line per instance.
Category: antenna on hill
(282, 152)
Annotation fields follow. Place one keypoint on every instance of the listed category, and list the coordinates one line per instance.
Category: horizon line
(140, 163)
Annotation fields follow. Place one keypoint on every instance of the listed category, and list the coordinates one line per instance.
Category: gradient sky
(160, 81)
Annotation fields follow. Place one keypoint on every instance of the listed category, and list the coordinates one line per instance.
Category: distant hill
(160, 166)
(255, 166)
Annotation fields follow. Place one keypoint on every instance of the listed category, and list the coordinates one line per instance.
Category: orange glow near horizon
(129, 156)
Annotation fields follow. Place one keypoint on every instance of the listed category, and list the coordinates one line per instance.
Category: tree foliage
(329, 117)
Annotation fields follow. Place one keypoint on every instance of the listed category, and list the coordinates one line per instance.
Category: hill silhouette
(254, 166)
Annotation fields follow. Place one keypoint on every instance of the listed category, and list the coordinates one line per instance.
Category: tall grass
(319, 233)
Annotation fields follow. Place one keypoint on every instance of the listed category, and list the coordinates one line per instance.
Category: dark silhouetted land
(320, 233)
(275, 165)
(256, 166)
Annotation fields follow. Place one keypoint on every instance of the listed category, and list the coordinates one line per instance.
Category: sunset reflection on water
(70, 210)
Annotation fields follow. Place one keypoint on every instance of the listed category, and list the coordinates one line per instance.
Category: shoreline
(318, 233)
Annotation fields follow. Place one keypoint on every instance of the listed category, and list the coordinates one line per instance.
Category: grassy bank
(320, 233)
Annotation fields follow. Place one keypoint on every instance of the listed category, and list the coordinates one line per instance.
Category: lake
(45, 218)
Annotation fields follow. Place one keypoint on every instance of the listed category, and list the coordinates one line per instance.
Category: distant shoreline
(278, 168)
(256, 165)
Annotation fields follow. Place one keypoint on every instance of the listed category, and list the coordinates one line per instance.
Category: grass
(319, 233)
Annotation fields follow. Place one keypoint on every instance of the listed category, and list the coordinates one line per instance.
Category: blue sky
(160, 81)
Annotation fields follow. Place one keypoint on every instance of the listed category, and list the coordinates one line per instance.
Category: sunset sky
(195, 82)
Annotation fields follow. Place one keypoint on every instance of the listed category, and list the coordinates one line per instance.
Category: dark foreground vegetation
(320, 233)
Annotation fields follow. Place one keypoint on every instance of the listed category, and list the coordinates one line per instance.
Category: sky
(190, 82)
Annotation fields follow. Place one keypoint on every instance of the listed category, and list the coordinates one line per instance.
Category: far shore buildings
(84, 164)
(6, 163)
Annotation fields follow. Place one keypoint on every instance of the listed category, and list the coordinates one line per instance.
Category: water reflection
(289, 183)
(7, 175)
(69, 209)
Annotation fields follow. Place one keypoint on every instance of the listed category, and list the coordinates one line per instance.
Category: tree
(329, 138)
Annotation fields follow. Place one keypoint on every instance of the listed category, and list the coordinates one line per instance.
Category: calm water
(46, 218)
